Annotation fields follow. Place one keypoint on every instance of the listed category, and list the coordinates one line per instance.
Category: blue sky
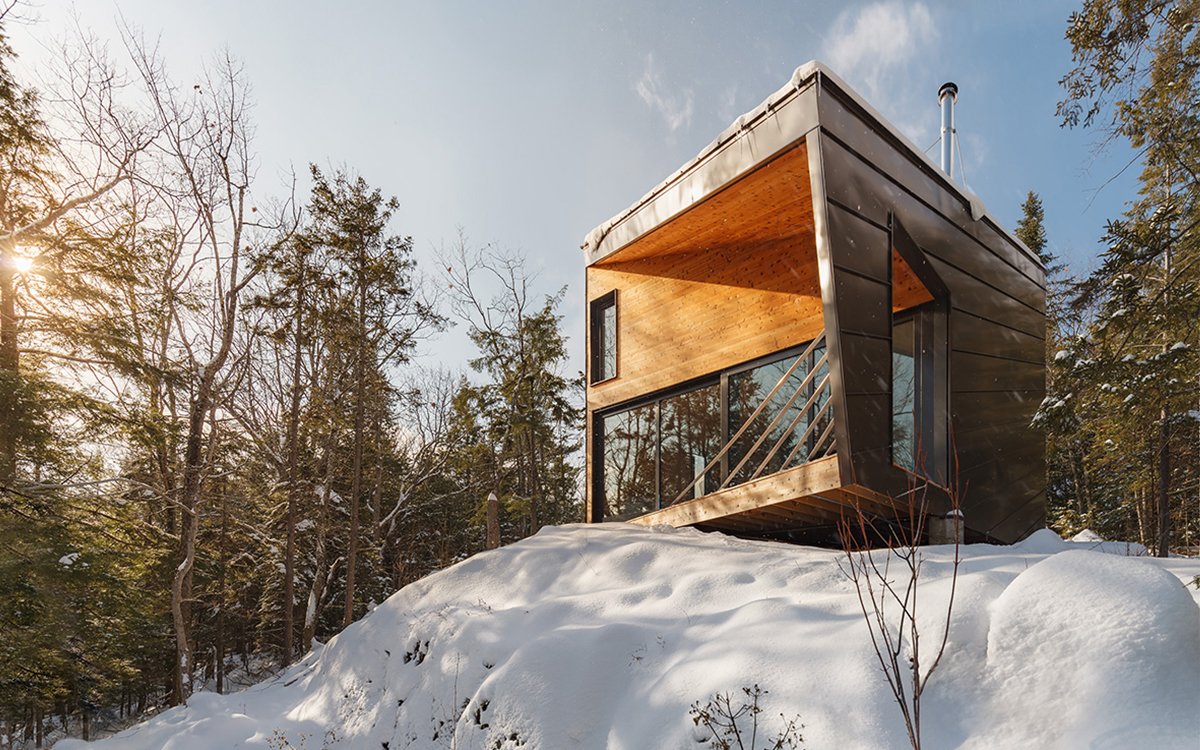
(528, 123)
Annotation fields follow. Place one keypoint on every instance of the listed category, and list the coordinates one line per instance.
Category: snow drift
(603, 636)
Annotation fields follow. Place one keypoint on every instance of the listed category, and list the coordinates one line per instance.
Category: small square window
(604, 337)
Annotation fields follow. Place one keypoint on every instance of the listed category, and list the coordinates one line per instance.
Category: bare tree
(886, 581)
(424, 440)
(522, 348)
(209, 169)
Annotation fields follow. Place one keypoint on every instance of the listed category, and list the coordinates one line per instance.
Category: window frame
(596, 309)
(931, 362)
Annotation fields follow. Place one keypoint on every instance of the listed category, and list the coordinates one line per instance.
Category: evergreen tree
(1031, 228)
(525, 416)
(24, 148)
(73, 555)
(386, 317)
(1138, 64)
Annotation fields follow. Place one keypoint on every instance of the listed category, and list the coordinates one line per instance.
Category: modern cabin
(811, 317)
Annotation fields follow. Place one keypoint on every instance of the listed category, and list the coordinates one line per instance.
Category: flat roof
(600, 242)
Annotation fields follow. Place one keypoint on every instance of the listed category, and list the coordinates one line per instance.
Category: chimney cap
(950, 88)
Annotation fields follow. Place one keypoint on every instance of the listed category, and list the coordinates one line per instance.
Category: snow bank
(603, 636)
(1085, 643)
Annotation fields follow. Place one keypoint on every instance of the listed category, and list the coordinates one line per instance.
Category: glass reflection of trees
(904, 393)
(630, 447)
(608, 342)
(747, 389)
(691, 437)
(653, 452)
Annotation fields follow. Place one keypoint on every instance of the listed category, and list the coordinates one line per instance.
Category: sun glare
(22, 263)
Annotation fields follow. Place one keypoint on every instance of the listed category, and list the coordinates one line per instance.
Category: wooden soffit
(771, 207)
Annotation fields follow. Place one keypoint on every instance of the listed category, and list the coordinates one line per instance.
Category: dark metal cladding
(862, 304)
(980, 372)
(998, 407)
(862, 245)
(859, 134)
(984, 300)
(867, 362)
(1025, 519)
(992, 322)
(954, 237)
(829, 306)
(974, 334)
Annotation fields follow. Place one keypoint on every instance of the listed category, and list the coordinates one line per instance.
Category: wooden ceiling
(770, 206)
(907, 289)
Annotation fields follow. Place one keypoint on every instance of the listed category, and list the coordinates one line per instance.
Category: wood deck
(811, 494)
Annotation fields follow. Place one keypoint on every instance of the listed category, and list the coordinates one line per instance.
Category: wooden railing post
(812, 347)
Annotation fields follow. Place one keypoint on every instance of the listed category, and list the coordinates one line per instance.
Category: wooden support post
(493, 521)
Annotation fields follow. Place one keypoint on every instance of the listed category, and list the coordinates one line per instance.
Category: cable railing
(816, 406)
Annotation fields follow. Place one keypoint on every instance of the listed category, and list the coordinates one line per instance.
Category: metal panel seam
(825, 270)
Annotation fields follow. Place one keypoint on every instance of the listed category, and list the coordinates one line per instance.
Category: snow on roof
(801, 78)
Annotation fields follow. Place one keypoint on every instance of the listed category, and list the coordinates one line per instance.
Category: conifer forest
(215, 442)
(220, 442)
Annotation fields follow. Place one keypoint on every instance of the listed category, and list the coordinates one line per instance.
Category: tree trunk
(181, 584)
(1164, 483)
(293, 481)
(223, 600)
(320, 573)
(1139, 516)
(360, 395)
(377, 479)
(193, 474)
(493, 521)
(535, 481)
(9, 361)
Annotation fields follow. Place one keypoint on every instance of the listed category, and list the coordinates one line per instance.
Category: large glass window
(657, 452)
(691, 438)
(630, 453)
(747, 389)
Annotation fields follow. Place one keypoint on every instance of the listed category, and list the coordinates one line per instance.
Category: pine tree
(72, 551)
(1031, 229)
(525, 416)
(385, 313)
(24, 148)
(1138, 63)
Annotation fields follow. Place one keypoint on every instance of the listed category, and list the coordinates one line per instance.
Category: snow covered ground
(603, 637)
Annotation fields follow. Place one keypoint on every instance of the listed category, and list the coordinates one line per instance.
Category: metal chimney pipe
(947, 96)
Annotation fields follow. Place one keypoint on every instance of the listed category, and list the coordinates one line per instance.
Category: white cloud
(874, 48)
(675, 107)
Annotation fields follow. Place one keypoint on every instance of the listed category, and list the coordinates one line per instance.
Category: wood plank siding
(778, 494)
(732, 279)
